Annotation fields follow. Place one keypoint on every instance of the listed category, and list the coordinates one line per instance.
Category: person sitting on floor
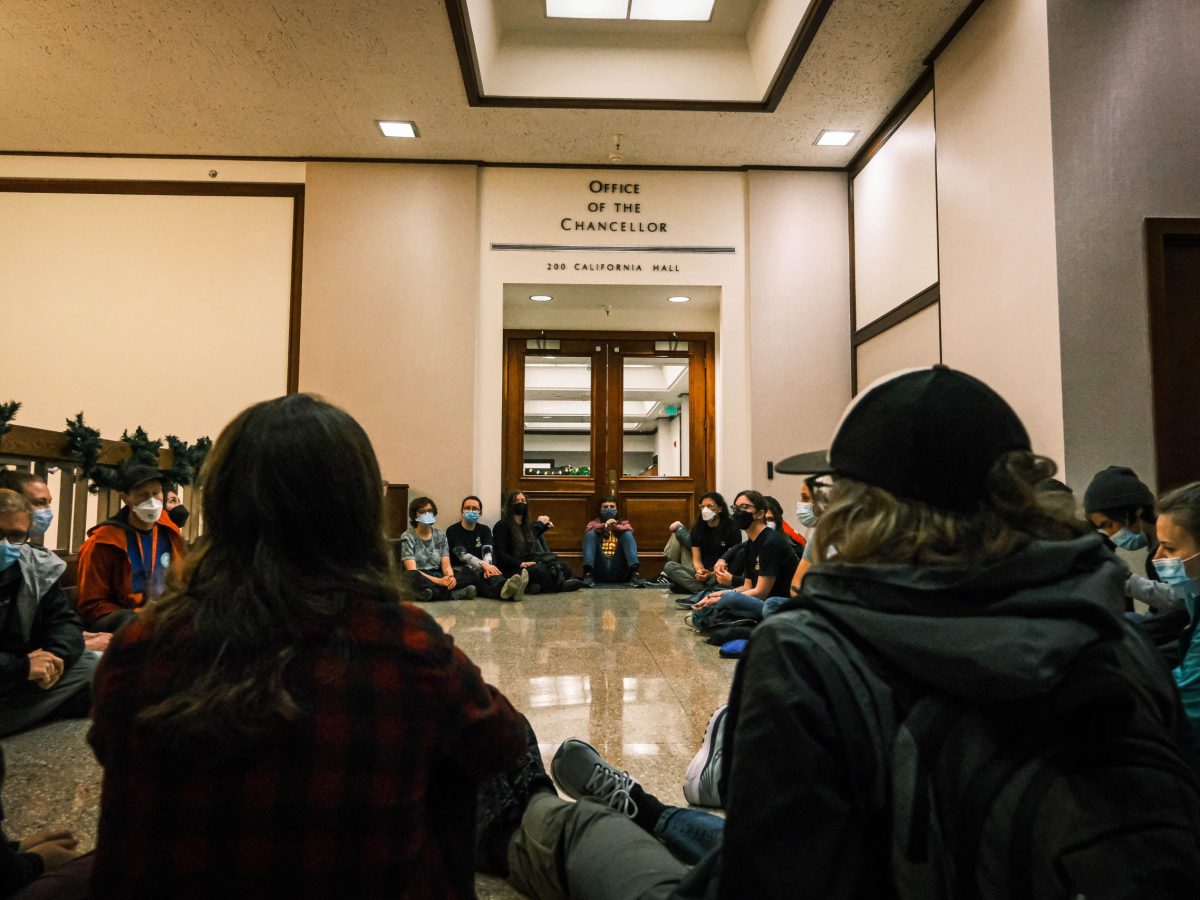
(124, 561)
(776, 520)
(471, 552)
(960, 634)
(770, 562)
(44, 668)
(610, 553)
(518, 544)
(711, 536)
(425, 555)
(173, 504)
(280, 724)
(34, 489)
(1177, 562)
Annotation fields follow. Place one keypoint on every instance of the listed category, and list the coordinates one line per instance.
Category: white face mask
(707, 513)
(149, 509)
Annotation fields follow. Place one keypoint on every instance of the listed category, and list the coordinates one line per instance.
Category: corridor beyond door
(590, 414)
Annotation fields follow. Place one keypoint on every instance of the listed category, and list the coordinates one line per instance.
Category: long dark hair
(867, 524)
(523, 537)
(293, 505)
(722, 510)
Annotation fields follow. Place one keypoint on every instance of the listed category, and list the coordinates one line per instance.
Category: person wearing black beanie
(1121, 507)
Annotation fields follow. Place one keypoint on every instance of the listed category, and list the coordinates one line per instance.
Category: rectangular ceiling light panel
(587, 9)
(672, 10)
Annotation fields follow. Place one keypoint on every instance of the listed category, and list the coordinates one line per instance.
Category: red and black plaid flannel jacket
(372, 795)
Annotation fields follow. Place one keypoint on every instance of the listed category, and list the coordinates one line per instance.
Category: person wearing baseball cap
(941, 583)
(124, 561)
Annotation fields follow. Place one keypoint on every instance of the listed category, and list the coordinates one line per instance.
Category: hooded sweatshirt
(796, 813)
(105, 573)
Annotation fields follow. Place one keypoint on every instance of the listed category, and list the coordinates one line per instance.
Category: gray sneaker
(581, 772)
(463, 593)
(704, 772)
(514, 588)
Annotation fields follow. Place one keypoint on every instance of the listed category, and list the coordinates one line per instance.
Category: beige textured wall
(913, 343)
(799, 318)
(895, 219)
(999, 285)
(388, 331)
(168, 312)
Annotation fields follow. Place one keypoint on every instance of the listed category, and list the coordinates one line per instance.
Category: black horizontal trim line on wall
(593, 248)
(906, 310)
(185, 188)
(468, 64)
(481, 163)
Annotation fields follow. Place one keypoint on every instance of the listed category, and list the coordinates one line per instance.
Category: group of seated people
(273, 719)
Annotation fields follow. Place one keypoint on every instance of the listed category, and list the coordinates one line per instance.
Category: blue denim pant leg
(591, 545)
(628, 546)
(689, 833)
(736, 601)
(771, 605)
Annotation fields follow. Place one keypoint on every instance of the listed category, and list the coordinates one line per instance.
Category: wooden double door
(627, 414)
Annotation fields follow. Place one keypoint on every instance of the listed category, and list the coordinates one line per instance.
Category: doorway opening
(610, 412)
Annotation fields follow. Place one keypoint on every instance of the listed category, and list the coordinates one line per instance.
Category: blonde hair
(868, 524)
(12, 502)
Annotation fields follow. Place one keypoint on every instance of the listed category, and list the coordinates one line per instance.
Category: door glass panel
(656, 426)
(558, 415)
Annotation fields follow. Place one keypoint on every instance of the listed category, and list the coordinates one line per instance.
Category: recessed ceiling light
(830, 138)
(397, 129)
(586, 9)
(680, 299)
(672, 10)
(540, 298)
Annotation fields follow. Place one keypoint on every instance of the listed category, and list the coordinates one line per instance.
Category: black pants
(548, 576)
(485, 586)
(420, 583)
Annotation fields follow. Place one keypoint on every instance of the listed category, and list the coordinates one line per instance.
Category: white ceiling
(308, 79)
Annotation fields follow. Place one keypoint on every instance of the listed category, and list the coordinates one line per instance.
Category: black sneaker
(572, 584)
(662, 580)
(637, 581)
(425, 595)
(589, 580)
(500, 803)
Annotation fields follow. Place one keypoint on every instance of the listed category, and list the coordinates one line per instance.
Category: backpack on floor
(1078, 795)
(710, 618)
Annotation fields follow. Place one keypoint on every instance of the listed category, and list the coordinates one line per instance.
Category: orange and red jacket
(105, 575)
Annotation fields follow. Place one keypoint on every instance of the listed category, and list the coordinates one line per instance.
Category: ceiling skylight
(587, 9)
(672, 10)
(655, 10)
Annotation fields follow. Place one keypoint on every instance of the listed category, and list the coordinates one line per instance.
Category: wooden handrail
(45, 445)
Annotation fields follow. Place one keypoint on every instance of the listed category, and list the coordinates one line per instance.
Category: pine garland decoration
(8, 412)
(83, 443)
(145, 451)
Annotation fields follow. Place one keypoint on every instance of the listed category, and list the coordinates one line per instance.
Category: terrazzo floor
(617, 668)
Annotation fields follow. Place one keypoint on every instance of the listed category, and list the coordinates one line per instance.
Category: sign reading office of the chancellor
(589, 224)
(623, 199)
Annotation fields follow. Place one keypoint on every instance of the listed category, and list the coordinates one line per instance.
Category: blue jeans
(610, 568)
(689, 833)
(751, 607)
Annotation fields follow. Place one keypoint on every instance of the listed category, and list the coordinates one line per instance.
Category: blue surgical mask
(471, 515)
(1130, 540)
(41, 521)
(804, 512)
(9, 554)
(426, 518)
(1173, 570)
(607, 514)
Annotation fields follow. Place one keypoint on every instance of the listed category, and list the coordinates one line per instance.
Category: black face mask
(519, 509)
(178, 514)
(742, 519)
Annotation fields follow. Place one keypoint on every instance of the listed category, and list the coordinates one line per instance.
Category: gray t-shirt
(426, 554)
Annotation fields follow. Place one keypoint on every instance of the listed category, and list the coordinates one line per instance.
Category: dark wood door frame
(1170, 244)
(606, 444)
